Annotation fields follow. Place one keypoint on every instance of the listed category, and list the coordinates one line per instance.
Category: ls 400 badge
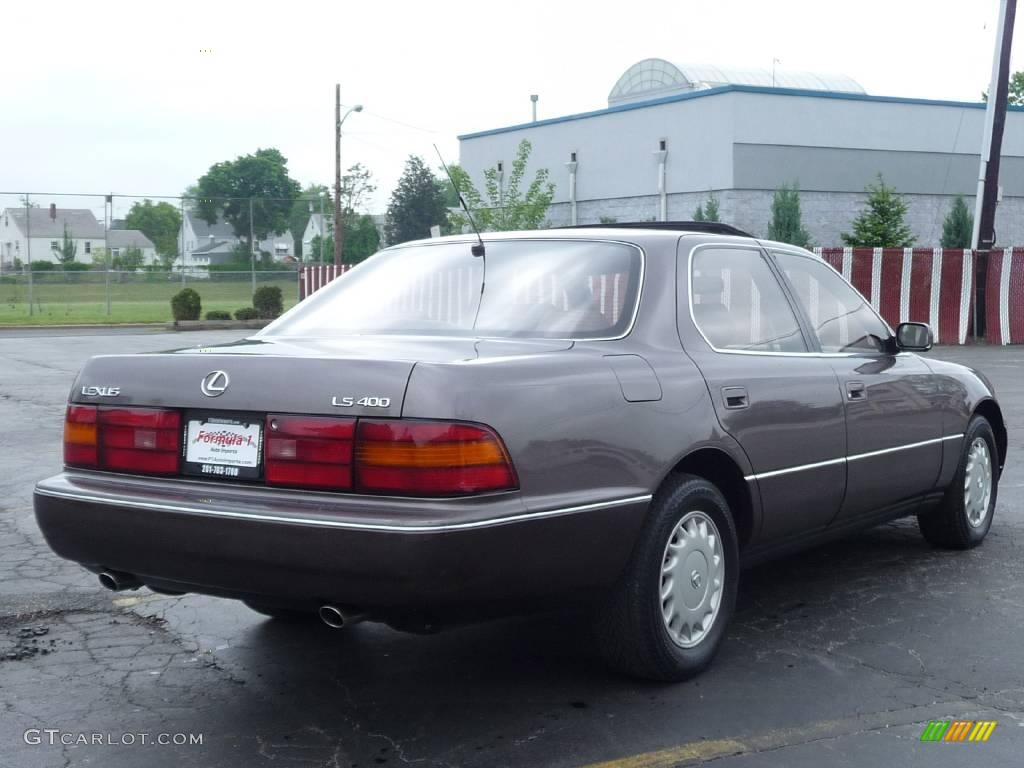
(368, 402)
(101, 391)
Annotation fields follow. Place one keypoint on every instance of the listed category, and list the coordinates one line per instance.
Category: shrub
(75, 266)
(218, 314)
(186, 305)
(268, 302)
(43, 266)
(246, 313)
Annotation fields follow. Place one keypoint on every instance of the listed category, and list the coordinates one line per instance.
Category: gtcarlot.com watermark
(57, 737)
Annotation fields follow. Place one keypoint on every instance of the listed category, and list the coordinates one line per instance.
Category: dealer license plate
(223, 447)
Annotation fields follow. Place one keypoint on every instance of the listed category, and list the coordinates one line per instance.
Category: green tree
(1016, 92)
(786, 225)
(448, 191)
(362, 240)
(416, 203)
(507, 206)
(882, 223)
(67, 249)
(698, 215)
(958, 226)
(129, 259)
(227, 188)
(711, 212)
(160, 222)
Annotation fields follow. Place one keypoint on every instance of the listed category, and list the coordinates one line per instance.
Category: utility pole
(339, 225)
(984, 235)
(252, 248)
(339, 229)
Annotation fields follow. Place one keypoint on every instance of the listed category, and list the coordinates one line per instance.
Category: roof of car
(705, 227)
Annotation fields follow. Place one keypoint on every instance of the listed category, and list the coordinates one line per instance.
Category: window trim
(806, 319)
(783, 287)
(766, 252)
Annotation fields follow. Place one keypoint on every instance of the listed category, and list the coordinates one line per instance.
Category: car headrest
(707, 285)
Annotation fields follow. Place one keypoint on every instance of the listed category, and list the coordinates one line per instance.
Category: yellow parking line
(668, 758)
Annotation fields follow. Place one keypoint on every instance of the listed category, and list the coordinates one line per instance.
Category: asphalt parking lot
(837, 656)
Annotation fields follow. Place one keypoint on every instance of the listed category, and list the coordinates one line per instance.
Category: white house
(35, 233)
(317, 226)
(204, 244)
(119, 240)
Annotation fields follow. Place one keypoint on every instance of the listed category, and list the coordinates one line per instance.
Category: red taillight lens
(146, 440)
(309, 451)
(422, 458)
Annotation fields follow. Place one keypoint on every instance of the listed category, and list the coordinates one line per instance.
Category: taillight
(80, 436)
(145, 440)
(422, 458)
(309, 451)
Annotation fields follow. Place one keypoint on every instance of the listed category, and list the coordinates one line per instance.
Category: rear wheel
(964, 516)
(279, 613)
(668, 614)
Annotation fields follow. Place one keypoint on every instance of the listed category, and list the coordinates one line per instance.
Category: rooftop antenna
(478, 249)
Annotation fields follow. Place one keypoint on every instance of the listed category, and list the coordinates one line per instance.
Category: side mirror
(914, 337)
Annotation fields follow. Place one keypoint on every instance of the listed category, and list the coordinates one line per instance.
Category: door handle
(735, 397)
(855, 390)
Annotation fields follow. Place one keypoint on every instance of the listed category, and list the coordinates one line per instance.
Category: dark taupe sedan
(620, 416)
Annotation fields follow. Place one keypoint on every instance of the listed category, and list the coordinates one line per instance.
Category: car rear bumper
(314, 548)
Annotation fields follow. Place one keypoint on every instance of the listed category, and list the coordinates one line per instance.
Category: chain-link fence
(119, 258)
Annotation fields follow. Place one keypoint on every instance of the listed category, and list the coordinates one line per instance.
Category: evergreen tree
(416, 205)
(711, 209)
(786, 225)
(882, 223)
(958, 226)
(698, 215)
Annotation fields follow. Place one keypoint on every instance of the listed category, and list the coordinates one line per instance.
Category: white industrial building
(672, 135)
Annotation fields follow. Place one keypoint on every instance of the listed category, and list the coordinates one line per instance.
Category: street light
(339, 229)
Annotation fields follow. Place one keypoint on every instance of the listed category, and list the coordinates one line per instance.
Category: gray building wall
(742, 143)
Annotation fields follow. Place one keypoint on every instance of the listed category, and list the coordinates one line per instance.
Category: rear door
(781, 403)
(893, 419)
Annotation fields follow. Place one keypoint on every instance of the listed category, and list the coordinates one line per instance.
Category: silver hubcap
(978, 482)
(692, 576)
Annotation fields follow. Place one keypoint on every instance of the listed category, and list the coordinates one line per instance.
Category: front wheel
(667, 616)
(963, 517)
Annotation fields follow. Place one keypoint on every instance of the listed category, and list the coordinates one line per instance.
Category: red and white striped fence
(928, 285)
(925, 285)
(313, 277)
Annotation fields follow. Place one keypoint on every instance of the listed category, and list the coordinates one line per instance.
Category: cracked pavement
(839, 655)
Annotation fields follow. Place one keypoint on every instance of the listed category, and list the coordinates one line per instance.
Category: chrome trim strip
(439, 527)
(846, 459)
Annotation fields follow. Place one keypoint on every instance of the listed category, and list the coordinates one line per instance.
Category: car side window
(841, 318)
(738, 304)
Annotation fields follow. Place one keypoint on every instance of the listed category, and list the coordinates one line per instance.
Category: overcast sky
(117, 96)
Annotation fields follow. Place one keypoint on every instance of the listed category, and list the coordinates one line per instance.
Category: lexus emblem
(215, 383)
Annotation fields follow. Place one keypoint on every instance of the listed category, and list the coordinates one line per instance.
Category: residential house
(119, 240)
(204, 244)
(316, 227)
(37, 233)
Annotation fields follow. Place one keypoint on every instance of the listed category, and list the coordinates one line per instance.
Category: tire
(279, 613)
(963, 517)
(632, 632)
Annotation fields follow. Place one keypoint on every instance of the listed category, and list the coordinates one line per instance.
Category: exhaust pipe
(337, 617)
(117, 581)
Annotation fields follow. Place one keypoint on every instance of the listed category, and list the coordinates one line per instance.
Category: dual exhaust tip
(334, 616)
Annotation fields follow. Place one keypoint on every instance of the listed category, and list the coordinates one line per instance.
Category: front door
(894, 447)
(780, 403)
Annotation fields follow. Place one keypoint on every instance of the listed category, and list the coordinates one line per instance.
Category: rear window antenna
(478, 249)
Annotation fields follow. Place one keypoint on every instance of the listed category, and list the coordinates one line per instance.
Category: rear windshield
(560, 289)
